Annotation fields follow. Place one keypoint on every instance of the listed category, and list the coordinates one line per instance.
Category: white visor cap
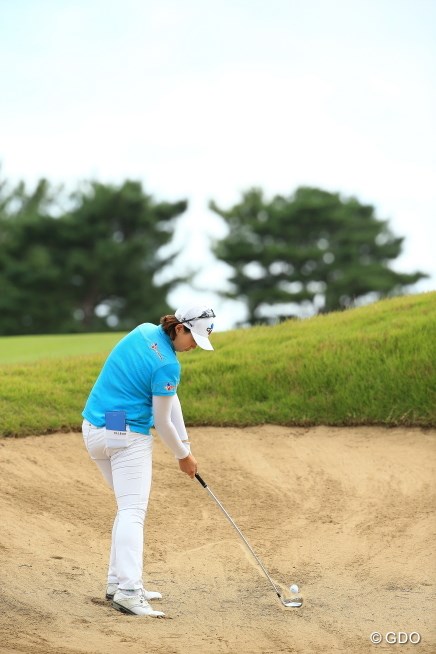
(198, 318)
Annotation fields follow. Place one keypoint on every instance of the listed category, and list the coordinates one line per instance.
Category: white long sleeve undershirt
(169, 423)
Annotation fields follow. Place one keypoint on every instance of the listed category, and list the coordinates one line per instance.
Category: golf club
(295, 602)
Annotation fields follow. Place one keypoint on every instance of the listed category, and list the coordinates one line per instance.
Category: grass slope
(372, 365)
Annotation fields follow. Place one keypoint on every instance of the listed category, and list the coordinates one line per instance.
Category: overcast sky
(203, 99)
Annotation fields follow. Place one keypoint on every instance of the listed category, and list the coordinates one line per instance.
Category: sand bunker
(348, 514)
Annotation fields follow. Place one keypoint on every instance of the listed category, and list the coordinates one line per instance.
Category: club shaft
(233, 523)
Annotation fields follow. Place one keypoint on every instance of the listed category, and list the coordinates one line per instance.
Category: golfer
(136, 388)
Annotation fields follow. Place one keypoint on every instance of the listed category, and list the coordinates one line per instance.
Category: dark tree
(314, 248)
(89, 265)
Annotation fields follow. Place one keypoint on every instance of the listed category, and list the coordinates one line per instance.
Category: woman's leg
(128, 472)
(131, 474)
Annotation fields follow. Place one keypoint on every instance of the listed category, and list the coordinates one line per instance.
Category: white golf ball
(293, 588)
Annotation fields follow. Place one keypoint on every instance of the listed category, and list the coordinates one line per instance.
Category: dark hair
(169, 324)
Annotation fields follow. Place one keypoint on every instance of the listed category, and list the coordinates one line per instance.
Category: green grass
(26, 349)
(373, 365)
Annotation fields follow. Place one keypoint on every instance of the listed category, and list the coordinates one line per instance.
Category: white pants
(128, 472)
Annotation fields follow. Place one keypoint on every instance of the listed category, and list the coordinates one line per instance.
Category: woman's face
(183, 341)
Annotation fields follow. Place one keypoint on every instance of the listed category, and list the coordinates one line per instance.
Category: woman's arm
(177, 420)
(163, 407)
(168, 420)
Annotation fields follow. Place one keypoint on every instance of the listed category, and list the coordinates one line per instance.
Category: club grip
(202, 482)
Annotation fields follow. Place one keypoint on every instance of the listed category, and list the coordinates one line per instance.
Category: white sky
(203, 99)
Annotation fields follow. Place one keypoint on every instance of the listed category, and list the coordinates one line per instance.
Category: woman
(137, 387)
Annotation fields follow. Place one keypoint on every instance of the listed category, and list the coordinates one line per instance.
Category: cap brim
(202, 341)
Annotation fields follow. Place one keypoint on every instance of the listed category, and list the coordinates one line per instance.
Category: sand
(348, 514)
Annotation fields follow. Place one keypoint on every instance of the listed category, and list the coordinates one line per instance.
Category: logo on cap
(209, 329)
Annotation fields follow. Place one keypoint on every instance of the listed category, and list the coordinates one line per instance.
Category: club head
(294, 602)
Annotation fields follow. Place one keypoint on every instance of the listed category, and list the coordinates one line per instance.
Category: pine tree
(313, 248)
(88, 263)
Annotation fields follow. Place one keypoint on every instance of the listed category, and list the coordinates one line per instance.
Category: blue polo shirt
(141, 365)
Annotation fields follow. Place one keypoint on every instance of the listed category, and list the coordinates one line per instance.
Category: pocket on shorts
(116, 440)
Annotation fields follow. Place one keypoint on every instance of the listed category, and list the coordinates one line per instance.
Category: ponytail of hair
(169, 324)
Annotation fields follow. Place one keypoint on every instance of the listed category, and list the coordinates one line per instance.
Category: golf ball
(293, 588)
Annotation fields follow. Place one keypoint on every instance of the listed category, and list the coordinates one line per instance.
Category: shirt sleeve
(177, 418)
(166, 380)
(162, 407)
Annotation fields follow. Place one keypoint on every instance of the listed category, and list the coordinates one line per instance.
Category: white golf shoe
(149, 594)
(135, 604)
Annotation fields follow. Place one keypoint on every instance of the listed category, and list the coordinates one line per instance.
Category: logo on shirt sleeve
(170, 387)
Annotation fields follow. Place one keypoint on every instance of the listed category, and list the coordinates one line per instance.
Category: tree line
(89, 261)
